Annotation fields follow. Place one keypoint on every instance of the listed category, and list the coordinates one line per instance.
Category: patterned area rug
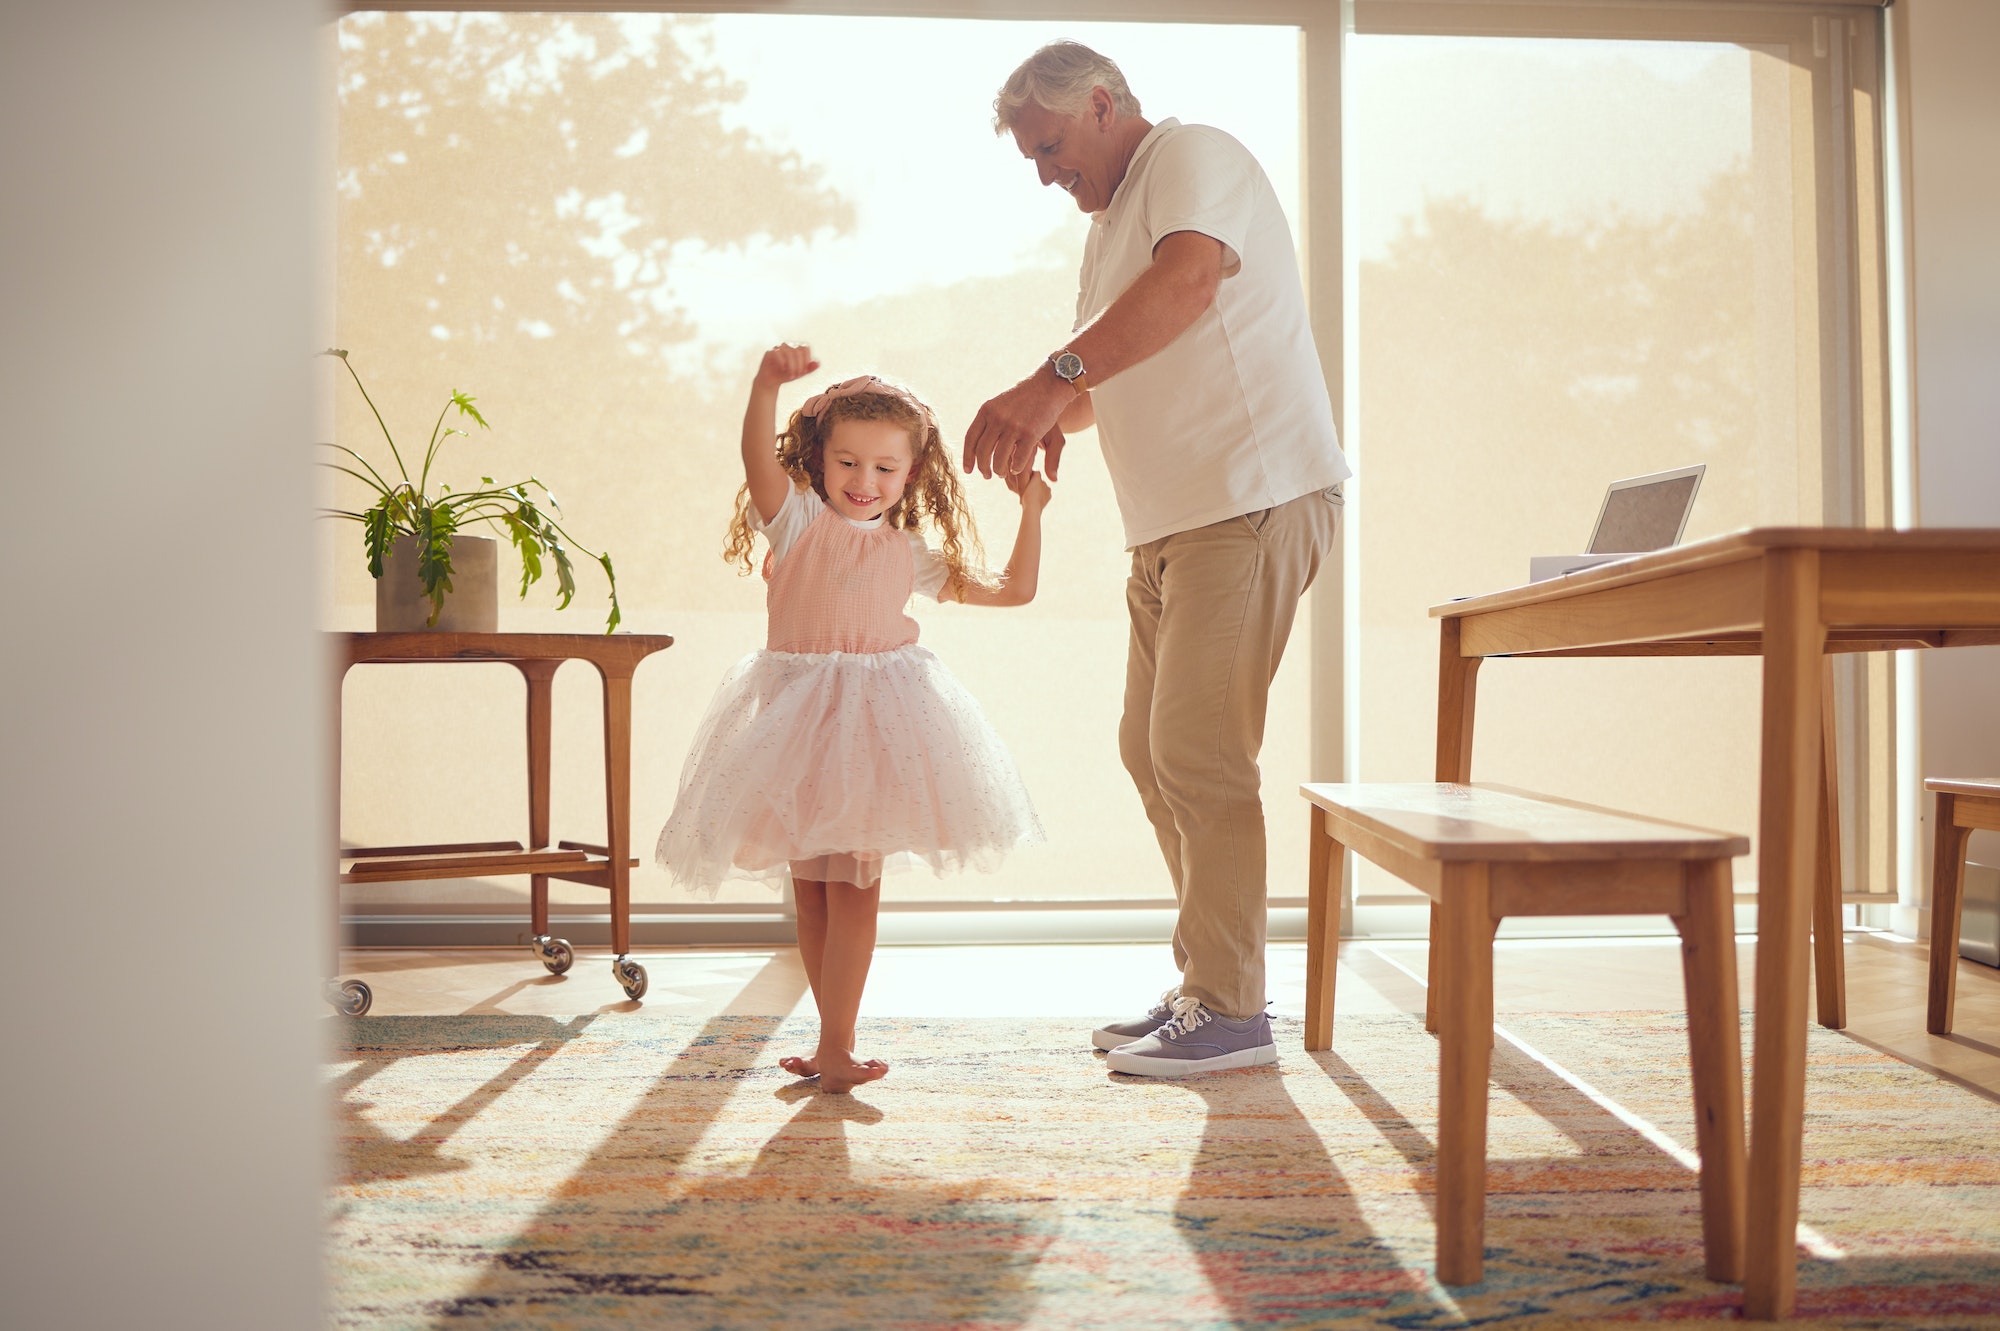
(625, 1170)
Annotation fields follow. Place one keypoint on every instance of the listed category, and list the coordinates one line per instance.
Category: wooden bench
(1963, 807)
(1484, 852)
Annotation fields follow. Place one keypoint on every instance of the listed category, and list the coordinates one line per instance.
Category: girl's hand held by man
(1034, 491)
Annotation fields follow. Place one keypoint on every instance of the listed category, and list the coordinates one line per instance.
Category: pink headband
(864, 383)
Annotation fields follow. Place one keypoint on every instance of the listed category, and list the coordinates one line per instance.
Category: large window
(1582, 258)
(1553, 245)
(595, 224)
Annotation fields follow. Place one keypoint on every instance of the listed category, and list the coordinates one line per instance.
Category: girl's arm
(767, 480)
(1017, 584)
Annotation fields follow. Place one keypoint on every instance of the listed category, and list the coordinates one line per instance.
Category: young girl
(843, 745)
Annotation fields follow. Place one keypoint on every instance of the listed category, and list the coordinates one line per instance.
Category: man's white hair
(1059, 78)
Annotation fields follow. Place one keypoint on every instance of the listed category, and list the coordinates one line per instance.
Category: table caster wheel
(554, 953)
(351, 998)
(631, 977)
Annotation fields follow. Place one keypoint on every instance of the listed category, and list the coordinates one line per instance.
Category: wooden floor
(1886, 980)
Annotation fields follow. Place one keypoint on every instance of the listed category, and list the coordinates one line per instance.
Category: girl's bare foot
(841, 1072)
(799, 1067)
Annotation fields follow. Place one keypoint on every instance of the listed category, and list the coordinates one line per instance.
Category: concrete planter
(471, 606)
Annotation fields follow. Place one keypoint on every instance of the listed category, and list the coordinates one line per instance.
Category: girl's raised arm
(1017, 584)
(767, 480)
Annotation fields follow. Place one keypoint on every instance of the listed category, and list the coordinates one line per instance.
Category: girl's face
(867, 466)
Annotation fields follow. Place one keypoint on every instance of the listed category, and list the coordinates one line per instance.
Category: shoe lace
(1188, 1014)
(1167, 997)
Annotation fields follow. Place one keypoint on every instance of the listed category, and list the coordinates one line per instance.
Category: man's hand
(1010, 429)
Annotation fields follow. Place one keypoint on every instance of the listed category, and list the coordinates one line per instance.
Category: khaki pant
(1211, 609)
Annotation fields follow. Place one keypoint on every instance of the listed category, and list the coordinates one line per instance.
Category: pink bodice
(842, 589)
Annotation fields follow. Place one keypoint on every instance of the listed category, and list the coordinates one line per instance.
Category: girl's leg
(847, 949)
(809, 903)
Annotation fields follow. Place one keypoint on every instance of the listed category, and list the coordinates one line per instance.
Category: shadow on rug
(631, 1170)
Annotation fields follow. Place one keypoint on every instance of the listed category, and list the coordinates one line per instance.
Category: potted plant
(408, 522)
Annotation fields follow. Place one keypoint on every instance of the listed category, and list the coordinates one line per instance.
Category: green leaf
(617, 617)
(465, 408)
(529, 542)
(376, 534)
(565, 574)
(435, 526)
(334, 351)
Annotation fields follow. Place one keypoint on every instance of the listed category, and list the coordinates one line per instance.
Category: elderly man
(1193, 356)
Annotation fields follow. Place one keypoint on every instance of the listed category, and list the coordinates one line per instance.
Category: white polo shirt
(1233, 415)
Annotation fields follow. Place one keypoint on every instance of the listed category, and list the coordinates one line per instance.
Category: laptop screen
(1646, 513)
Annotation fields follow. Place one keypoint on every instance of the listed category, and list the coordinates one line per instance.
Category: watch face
(1069, 365)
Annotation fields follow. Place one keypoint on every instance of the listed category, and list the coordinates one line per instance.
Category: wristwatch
(1069, 368)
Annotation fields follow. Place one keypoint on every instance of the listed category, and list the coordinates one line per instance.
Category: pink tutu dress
(843, 748)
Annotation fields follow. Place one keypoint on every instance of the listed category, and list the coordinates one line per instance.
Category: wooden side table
(537, 656)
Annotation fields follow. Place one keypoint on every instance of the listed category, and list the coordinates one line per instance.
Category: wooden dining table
(1792, 595)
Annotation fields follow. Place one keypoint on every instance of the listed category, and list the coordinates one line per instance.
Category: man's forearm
(1162, 303)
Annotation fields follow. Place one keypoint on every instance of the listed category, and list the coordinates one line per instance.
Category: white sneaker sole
(1109, 1039)
(1143, 1065)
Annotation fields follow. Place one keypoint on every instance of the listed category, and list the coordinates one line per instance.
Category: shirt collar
(1138, 155)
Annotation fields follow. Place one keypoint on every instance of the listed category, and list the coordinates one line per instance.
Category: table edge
(1730, 547)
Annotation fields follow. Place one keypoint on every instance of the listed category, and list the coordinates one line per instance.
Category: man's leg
(1228, 595)
(1135, 727)
(1142, 602)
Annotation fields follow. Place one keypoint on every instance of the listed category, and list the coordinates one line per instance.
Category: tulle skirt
(847, 764)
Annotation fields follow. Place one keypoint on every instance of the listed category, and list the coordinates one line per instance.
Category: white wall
(161, 1145)
(1954, 109)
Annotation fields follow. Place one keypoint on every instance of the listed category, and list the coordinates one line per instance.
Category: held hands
(783, 363)
(1034, 491)
(1009, 429)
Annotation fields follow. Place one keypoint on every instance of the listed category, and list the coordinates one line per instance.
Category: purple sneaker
(1195, 1040)
(1125, 1032)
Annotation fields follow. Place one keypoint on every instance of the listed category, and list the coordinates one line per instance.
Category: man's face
(1073, 152)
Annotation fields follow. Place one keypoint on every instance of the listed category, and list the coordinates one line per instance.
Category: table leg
(333, 748)
(1793, 640)
(1947, 902)
(618, 803)
(1829, 948)
(540, 678)
(1465, 1047)
(1458, 678)
(1327, 859)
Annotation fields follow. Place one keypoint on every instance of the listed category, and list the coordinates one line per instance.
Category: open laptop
(1640, 514)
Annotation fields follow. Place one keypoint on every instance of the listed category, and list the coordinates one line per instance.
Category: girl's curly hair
(933, 495)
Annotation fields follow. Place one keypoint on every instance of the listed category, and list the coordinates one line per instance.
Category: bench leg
(1458, 696)
(1462, 965)
(1708, 968)
(1323, 896)
(1947, 906)
(1431, 973)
